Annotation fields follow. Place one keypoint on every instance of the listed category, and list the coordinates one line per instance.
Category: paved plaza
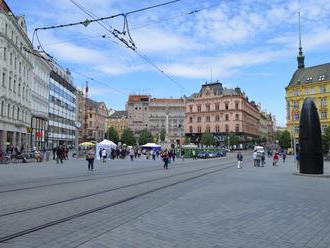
(203, 203)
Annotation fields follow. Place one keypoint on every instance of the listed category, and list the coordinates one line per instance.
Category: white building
(62, 108)
(40, 95)
(15, 73)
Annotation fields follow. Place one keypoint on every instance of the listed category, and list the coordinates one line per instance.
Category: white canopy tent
(152, 146)
(105, 144)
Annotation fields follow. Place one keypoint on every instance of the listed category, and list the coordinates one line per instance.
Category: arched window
(18, 113)
(2, 108)
(13, 112)
(8, 110)
(19, 89)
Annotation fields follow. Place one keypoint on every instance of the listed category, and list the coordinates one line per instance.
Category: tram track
(205, 171)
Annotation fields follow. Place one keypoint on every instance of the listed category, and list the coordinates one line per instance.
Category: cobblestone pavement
(249, 207)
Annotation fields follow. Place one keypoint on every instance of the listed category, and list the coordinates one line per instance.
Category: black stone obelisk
(310, 141)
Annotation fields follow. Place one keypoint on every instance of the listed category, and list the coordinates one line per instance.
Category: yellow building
(311, 82)
(118, 120)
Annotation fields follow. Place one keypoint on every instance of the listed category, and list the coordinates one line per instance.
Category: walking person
(100, 153)
(131, 154)
(153, 154)
(255, 158)
(59, 154)
(284, 156)
(275, 159)
(194, 155)
(182, 154)
(239, 160)
(165, 157)
(90, 158)
(104, 155)
(263, 158)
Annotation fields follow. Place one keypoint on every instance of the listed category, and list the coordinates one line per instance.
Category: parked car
(212, 155)
(221, 154)
(203, 155)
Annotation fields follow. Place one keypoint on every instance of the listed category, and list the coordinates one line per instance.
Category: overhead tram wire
(144, 57)
(192, 12)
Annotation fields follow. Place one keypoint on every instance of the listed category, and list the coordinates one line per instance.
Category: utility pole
(86, 114)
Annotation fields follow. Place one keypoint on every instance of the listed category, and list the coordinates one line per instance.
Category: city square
(176, 123)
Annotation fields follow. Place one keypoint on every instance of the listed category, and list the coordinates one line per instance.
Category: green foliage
(145, 137)
(112, 135)
(208, 139)
(326, 140)
(233, 139)
(162, 134)
(127, 137)
(187, 140)
(284, 138)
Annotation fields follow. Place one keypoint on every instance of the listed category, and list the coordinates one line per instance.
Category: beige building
(167, 114)
(137, 108)
(94, 118)
(221, 111)
(118, 120)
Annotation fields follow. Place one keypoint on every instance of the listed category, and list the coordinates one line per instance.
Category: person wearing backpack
(239, 160)
(90, 158)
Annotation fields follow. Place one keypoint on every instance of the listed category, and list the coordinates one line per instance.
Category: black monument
(310, 141)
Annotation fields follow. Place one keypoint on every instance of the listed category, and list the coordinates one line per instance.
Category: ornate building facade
(221, 111)
(15, 86)
(118, 120)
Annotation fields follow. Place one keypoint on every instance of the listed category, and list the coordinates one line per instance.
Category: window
(4, 79)
(19, 89)
(217, 129)
(208, 129)
(18, 114)
(237, 128)
(217, 118)
(208, 107)
(90, 115)
(90, 124)
(323, 89)
(323, 127)
(191, 129)
(296, 93)
(8, 111)
(199, 108)
(323, 102)
(199, 119)
(324, 115)
(199, 129)
(4, 53)
(217, 107)
(237, 117)
(13, 112)
(14, 88)
(190, 119)
(190, 108)
(11, 59)
(226, 106)
(2, 108)
(227, 117)
(296, 116)
(236, 105)
(321, 77)
(208, 118)
(307, 91)
(227, 128)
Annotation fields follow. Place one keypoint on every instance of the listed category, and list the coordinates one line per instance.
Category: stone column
(14, 139)
(19, 139)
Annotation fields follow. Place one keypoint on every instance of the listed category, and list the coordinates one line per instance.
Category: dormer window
(321, 77)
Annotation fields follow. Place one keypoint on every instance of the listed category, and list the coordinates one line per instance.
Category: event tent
(105, 144)
(152, 146)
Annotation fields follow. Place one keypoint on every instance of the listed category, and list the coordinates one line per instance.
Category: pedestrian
(284, 156)
(255, 158)
(54, 153)
(182, 154)
(90, 158)
(263, 158)
(239, 160)
(59, 154)
(275, 159)
(104, 155)
(194, 155)
(153, 154)
(165, 157)
(131, 154)
(100, 152)
(37, 155)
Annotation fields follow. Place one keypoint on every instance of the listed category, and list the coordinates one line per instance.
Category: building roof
(167, 100)
(311, 74)
(138, 98)
(214, 87)
(92, 103)
(122, 114)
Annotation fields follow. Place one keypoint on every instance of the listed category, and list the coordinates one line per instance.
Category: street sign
(29, 129)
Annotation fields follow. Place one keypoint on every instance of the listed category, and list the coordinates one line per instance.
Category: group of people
(259, 157)
(60, 153)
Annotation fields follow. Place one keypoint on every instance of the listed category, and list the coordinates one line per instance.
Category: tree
(284, 138)
(208, 139)
(326, 140)
(233, 139)
(112, 135)
(187, 140)
(127, 137)
(162, 134)
(145, 137)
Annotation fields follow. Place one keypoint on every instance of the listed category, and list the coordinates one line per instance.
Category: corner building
(62, 108)
(15, 73)
(221, 111)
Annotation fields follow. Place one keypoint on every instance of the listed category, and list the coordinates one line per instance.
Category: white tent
(105, 144)
(151, 145)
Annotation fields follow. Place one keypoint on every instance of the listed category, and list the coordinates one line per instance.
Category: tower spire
(300, 57)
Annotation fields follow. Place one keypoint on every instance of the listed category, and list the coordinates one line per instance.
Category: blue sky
(247, 43)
